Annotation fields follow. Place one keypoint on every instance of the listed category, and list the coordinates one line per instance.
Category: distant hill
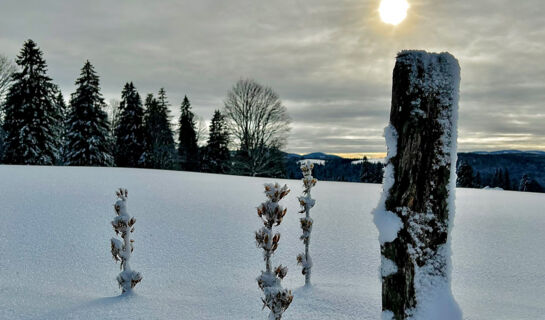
(314, 155)
(518, 163)
(486, 163)
(509, 152)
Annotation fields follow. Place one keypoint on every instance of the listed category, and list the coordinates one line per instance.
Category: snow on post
(121, 250)
(415, 213)
(306, 203)
(277, 299)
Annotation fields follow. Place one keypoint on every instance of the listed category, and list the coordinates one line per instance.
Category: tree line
(470, 178)
(38, 127)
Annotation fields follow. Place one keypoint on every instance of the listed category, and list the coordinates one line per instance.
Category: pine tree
(528, 184)
(367, 171)
(524, 182)
(379, 172)
(31, 114)
(478, 181)
(63, 108)
(160, 148)
(371, 172)
(2, 137)
(465, 176)
(497, 179)
(506, 180)
(188, 151)
(88, 141)
(64, 111)
(129, 132)
(216, 153)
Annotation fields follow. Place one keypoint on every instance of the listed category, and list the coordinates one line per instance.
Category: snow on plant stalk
(306, 203)
(121, 250)
(277, 299)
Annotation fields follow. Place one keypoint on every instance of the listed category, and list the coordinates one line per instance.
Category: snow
(195, 248)
(387, 222)
(492, 188)
(319, 162)
(387, 267)
(372, 160)
(387, 315)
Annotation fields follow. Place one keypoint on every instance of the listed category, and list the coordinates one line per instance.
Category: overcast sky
(330, 61)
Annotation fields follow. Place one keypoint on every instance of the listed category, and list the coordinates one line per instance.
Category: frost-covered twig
(121, 250)
(306, 203)
(277, 299)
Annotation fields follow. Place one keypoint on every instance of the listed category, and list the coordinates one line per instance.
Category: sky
(330, 61)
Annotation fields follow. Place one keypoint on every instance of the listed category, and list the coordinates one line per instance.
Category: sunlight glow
(393, 11)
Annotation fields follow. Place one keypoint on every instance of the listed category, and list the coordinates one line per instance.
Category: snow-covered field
(195, 248)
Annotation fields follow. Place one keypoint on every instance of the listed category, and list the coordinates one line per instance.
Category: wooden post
(417, 206)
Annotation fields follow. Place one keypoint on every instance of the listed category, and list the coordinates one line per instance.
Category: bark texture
(424, 115)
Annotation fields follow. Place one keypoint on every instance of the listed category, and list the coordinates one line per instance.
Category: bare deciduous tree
(7, 68)
(201, 130)
(113, 112)
(259, 124)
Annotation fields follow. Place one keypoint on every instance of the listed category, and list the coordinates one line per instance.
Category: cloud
(330, 61)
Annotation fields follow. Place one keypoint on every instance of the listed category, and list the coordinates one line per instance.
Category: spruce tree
(31, 115)
(2, 137)
(160, 148)
(497, 179)
(216, 154)
(367, 171)
(188, 151)
(379, 172)
(478, 181)
(465, 176)
(129, 132)
(528, 184)
(88, 141)
(506, 180)
(63, 110)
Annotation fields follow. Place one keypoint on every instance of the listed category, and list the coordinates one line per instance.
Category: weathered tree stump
(417, 205)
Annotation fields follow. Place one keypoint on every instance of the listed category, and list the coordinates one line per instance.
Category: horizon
(382, 155)
(330, 64)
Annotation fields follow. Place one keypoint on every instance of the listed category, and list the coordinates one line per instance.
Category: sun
(393, 11)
